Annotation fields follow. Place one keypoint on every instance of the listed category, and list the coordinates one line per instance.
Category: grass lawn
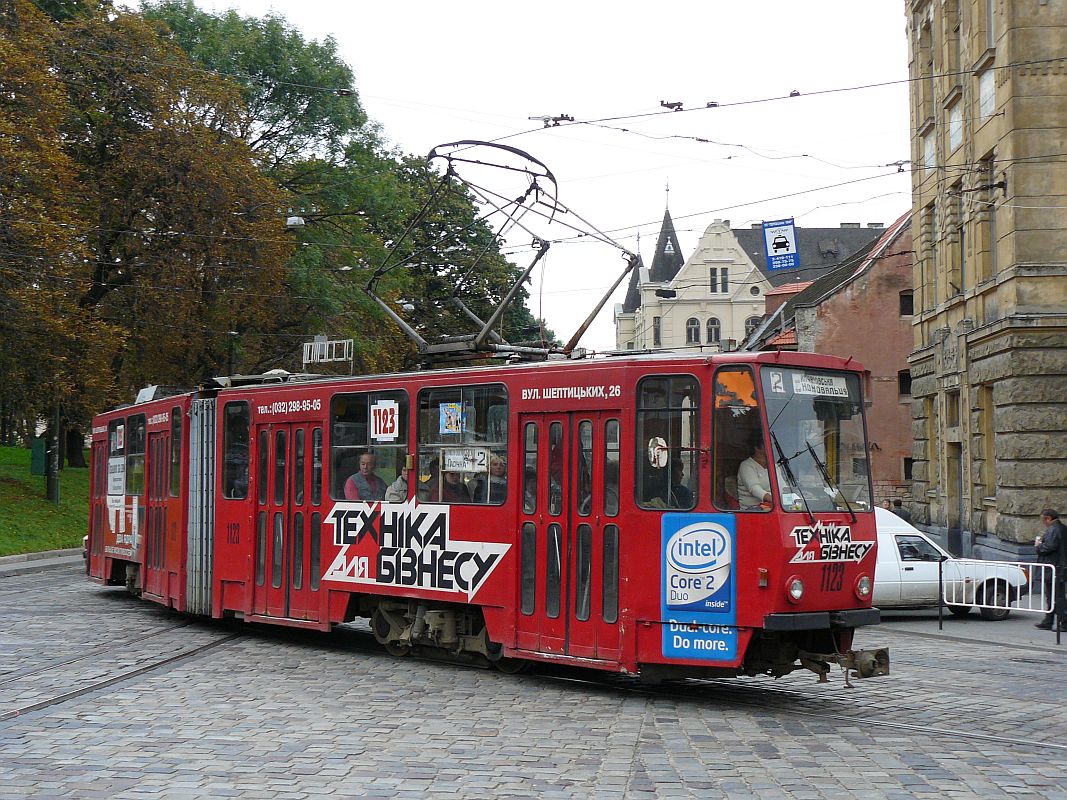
(28, 522)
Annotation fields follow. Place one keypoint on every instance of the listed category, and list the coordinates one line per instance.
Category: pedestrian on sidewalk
(900, 511)
(1051, 548)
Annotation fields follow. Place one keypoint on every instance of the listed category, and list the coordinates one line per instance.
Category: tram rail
(117, 679)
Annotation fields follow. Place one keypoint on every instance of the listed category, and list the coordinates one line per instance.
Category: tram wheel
(396, 649)
(494, 651)
(511, 666)
(959, 611)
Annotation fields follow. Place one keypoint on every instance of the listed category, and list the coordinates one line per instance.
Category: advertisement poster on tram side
(698, 592)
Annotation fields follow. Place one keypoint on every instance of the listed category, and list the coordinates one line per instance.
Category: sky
(433, 73)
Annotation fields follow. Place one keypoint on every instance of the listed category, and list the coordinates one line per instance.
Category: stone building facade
(989, 364)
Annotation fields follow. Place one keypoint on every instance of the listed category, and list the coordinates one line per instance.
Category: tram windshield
(817, 439)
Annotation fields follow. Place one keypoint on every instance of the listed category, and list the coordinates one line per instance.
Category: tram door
(155, 533)
(563, 574)
(283, 587)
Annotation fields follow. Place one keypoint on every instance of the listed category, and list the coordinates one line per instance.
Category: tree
(313, 138)
(53, 350)
(183, 229)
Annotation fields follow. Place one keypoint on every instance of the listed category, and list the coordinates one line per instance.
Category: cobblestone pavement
(274, 713)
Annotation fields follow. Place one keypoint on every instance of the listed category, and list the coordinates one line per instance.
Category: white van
(906, 573)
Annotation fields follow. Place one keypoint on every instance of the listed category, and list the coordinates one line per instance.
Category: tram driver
(753, 477)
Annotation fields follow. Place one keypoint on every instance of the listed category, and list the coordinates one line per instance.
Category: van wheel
(1000, 598)
(959, 611)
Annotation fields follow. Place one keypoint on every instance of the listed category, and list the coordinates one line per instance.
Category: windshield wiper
(783, 462)
(829, 483)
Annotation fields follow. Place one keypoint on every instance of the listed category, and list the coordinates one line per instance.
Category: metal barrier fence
(965, 583)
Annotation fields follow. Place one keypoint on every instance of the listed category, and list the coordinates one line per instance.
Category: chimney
(875, 225)
(851, 225)
(757, 225)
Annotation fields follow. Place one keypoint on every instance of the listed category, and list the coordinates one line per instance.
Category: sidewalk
(1017, 629)
(26, 563)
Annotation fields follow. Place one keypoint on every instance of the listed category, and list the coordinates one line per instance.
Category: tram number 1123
(833, 577)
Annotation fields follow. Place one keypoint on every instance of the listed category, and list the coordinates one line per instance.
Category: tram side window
(116, 457)
(368, 443)
(135, 442)
(175, 451)
(735, 427)
(668, 414)
(235, 424)
(463, 445)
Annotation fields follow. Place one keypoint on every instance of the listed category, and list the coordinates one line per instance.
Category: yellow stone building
(989, 217)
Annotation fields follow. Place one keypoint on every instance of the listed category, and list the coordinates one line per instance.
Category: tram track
(117, 679)
(92, 652)
(697, 691)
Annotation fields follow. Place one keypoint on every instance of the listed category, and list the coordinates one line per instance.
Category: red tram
(587, 512)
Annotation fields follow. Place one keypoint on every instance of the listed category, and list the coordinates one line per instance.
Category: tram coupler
(860, 663)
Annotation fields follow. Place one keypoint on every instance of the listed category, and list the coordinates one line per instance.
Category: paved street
(284, 714)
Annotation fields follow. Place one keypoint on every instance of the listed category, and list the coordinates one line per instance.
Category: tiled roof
(787, 288)
(782, 322)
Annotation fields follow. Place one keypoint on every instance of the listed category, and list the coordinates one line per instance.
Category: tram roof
(604, 361)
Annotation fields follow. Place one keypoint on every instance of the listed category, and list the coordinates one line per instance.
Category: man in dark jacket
(900, 511)
(1051, 548)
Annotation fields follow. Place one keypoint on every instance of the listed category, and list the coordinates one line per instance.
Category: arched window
(751, 324)
(692, 331)
(714, 330)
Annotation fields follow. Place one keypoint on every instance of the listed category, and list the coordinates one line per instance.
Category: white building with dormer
(715, 298)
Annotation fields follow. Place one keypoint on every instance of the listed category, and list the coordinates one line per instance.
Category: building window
(989, 212)
(629, 345)
(990, 23)
(720, 280)
(908, 465)
(714, 330)
(751, 324)
(692, 331)
(955, 126)
(904, 383)
(655, 332)
(859, 467)
(988, 470)
(952, 410)
(668, 248)
(987, 95)
(929, 152)
(907, 303)
(961, 236)
(754, 291)
(928, 236)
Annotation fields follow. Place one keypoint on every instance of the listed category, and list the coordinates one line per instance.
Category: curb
(47, 554)
(29, 563)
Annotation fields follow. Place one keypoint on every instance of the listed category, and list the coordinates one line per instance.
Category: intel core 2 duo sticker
(697, 600)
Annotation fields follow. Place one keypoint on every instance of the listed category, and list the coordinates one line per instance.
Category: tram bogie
(605, 513)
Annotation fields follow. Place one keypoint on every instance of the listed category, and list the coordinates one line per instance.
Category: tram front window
(817, 439)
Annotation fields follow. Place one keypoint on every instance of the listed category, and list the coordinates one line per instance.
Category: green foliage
(30, 524)
(297, 99)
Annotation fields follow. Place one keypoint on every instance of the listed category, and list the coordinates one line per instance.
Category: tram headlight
(863, 587)
(794, 589)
